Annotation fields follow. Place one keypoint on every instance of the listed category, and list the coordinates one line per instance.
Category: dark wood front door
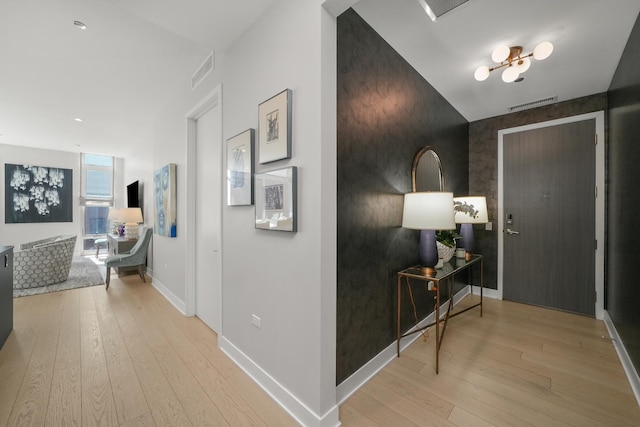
(549, 224)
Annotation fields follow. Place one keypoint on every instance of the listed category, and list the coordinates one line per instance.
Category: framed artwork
(274, 127)
(276, 199)
(240, 169)
(37, 194)
(164, 180)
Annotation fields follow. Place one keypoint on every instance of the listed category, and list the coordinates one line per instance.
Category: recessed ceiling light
(80, 25)
(78, 119)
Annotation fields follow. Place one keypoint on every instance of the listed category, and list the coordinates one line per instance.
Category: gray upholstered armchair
(43, 262)
(136, 257)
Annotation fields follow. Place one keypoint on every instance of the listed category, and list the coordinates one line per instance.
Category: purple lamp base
(466, 231)
(428, 254)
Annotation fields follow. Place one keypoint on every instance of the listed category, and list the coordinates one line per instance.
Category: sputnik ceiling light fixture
(513, 61)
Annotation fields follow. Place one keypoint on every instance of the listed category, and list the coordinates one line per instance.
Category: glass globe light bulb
(522, 65)
(542, 51)
(482, 73)
(510, 74)
(500, 53)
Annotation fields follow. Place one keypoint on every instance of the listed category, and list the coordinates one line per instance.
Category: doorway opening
(203, 293)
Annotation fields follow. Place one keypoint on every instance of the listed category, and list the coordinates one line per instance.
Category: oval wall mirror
(426, 172)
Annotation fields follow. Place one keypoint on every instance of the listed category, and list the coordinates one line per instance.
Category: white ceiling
(52, 72)
(588, 37)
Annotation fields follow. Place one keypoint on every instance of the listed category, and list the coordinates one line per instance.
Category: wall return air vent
(207, 66)
(436, 8)
(534, 104)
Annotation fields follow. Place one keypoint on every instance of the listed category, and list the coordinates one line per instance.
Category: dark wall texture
(483, 164)
(386, 113)
(623, 250)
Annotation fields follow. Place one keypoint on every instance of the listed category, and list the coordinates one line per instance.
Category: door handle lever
(510, 231)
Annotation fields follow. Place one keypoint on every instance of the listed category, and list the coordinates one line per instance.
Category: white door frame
(600, 202)
(211, 100)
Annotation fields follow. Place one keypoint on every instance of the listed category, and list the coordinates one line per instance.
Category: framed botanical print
(276, 199)
(240, 169)
(274, 127)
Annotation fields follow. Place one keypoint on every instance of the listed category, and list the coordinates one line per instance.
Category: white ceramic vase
(445, 252)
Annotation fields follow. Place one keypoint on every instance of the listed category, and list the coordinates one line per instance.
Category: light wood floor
(517, 366)
(126, 357)
(122, 357)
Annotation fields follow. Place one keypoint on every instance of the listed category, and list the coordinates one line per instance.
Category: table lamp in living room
(470, 210)
(114, 217)
(131, 217)
(428, 212)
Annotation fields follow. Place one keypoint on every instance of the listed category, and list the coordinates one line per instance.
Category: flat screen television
(133, 195)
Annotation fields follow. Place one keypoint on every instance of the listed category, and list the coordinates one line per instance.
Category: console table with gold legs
(442, 275)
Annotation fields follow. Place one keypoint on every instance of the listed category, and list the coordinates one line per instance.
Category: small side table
(442, 276)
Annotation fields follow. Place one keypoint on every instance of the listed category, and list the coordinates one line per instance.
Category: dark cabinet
(6, 292)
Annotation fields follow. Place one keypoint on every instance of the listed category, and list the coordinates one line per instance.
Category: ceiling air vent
(436, 8)
(534, 104)
(204, 69)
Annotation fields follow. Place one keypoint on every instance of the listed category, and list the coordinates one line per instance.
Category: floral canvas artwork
(37, 194)
(164, 181)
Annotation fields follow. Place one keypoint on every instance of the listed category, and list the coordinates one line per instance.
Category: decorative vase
(445, 252)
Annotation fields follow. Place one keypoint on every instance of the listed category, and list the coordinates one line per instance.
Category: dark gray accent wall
(386, 113)
(483, 164)
(623, 175)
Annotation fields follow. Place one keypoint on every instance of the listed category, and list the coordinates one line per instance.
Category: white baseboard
(170, 296)
(627, 364)
(349, 386)
(486, 292)
(289, 402)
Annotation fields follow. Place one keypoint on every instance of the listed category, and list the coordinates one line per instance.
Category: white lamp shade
(500, 53)
(471, 210)
(510, 74)
(482, 73)
(131, 215)
(542, 51)
(428, 211)
(114, 214)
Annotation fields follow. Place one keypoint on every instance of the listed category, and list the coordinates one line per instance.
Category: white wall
(15, 234)
(287, 279)
(277, 276)
(170, 146)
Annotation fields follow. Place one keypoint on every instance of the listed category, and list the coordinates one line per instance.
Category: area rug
(84, 272)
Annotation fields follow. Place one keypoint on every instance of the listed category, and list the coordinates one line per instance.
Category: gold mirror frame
(429, 162)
